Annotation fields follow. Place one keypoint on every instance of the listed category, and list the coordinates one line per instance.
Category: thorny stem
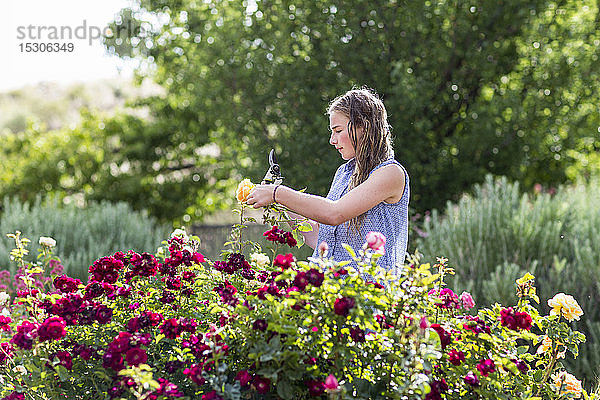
(441, 271)
(241, 233)
(549, 368)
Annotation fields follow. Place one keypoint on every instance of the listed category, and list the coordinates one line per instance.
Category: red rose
(262, 385)
(244, 377)
(343, 306)
(52, 328)
(136, 356)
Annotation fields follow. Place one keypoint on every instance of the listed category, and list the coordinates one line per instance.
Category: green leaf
(305, 227)
(349, 249)
(63, 374)
(299, 238)
(285, 390)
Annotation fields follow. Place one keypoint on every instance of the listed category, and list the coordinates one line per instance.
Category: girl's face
(340, 137)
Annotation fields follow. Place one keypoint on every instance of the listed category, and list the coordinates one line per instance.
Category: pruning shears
(273, 175)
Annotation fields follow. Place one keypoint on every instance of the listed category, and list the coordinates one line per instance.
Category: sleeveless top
(389, 219)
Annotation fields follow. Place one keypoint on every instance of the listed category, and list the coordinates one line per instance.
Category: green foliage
(82, 234)
(508, 88)
(470, 88)
(497, 234)
(180, 325)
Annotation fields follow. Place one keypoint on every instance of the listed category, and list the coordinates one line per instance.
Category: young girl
(370, 192)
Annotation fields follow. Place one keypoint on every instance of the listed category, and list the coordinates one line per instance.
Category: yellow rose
(243, 190)
(565, 305)
(261, 260)
(567, 383)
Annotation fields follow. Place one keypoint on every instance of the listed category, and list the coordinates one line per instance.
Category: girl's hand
(261, 196)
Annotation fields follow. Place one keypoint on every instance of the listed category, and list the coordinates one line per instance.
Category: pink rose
(467, 300)
(376, 242)
(323, 248)
(331, 383)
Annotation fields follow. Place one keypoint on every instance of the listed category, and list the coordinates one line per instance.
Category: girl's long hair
(365, 110)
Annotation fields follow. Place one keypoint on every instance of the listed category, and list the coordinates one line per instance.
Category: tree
(503, 87)
(509, 88)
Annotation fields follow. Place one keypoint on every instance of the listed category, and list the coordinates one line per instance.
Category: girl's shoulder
(392, 166)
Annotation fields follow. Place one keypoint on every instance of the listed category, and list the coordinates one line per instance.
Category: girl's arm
(384, 184)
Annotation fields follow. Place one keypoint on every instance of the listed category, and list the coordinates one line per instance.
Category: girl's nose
(332, 139)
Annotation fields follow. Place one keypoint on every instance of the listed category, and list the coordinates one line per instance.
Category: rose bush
(176, 325)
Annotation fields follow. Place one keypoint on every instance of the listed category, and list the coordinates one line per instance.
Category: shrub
(497, 234)
(178, 325)
(82, 234)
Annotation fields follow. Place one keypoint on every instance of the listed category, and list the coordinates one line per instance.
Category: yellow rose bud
(546, 346)
(565, 305)
(243, 190)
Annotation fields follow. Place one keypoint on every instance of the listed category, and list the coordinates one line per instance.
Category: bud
(323, 248)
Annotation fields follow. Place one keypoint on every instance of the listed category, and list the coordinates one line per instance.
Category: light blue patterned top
(389, 219)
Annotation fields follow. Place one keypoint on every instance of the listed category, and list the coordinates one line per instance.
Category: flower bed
(176, 325)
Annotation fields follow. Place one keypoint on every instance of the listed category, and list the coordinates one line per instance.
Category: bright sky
(88, 61)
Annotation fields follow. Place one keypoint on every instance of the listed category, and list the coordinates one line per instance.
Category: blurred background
(494, 107)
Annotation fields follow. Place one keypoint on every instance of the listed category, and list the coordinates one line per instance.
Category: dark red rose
(244, 377)
(171, 328)
(65, 359)
(121, 343)
(6, 352)
(113, 361)
(521, 365)
(26, 333)
(445, 337)
(262, 385)
(343, 306)
(486, 367)
(357, 334)
(195, 374)
(52, 328)
(260, 325)
(315, 277)
(136, 356)
(437, 388)
(476, 325)
(300, 281)
(103, 314)
(66, 284)
(211, 396)
(507, 319)
(456, 357)
(315, 388)
(524, 320)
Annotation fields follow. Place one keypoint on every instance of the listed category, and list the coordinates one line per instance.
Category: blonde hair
(365, 110)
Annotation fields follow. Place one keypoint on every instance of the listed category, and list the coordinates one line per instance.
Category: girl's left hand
(261, 196)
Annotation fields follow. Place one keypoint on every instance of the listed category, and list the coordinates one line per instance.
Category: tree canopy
(508, 88)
